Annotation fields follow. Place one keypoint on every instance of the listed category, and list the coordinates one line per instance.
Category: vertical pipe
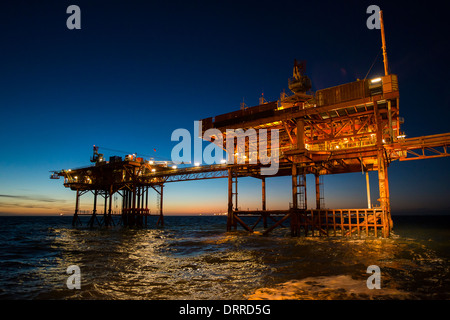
(382, 178)
(161, 217)
(398, 117)
(391, 130)
(236, 192)
(140, 204)
(146, 205)
(110, 203)
(294, 214)
(105, 214)
(369, 205)
(128, 200)
(381, 160)
(317, 191)
(388, 199)
(105, 206)
(127, 207)
(230, 200)
(300, 134)
(263, 205)
(94, 210)
(294, 187)
(146, 198)
(77, 204)
(138, 201)
(108, 197)
(124, 205)
(304, 186)
(133, 210)
(384, 191)
(134, 199)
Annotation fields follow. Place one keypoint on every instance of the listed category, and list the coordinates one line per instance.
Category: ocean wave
(338, 287)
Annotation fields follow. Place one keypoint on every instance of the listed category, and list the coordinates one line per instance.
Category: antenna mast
(383, 40)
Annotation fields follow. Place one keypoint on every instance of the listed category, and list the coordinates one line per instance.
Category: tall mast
(383, 40)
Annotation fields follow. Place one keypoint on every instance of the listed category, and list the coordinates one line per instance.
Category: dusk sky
(138, 70)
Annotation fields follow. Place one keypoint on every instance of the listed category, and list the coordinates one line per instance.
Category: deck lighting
(174, 167)
(376, 80)
(197, 164)
(153, 170)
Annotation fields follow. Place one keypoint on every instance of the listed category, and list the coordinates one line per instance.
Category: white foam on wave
(338, 287)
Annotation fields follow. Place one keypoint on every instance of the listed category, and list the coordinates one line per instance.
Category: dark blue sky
(137, 70)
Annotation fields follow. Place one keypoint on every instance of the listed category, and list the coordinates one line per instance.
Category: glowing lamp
(376, 80)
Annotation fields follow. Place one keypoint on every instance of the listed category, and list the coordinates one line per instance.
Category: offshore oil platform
(352, 127)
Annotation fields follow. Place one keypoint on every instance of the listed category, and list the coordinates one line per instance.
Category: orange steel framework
(349, 128)
(353, 127)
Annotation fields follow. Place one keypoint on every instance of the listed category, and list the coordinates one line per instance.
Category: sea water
(193, 257)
